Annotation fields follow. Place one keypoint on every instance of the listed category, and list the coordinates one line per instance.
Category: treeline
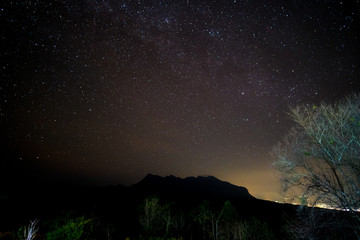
(153, 219)
(168, 221)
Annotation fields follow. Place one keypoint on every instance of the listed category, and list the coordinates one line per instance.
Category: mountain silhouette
(121, 205)
(190, 187)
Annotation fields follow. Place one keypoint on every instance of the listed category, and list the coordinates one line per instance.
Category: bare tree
(180, 224)
(109, 230)
(252, 229)
(29, 232)
(320, 157)
(222, 222)
(228, 222)
(151, 217)
(203, 215)
(308, 224)
(210, 220)
(167, 217)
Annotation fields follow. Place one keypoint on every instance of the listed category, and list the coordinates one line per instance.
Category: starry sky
(106, 91)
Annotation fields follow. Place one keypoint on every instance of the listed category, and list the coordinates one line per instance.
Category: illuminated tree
(167, 217)
(29, 232)
(320, 157)
(151, 216)
(216, 224)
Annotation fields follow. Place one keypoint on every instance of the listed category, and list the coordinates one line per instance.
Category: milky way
(108, 91)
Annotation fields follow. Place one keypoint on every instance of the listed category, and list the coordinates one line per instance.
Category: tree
(227, 218)
(167, 217)
(179, 224)
(29, 232)
(253, 229)
(320, 157)
(202, 216)
(68, 228)
(109, 230)
(217, 224)
(151, 215)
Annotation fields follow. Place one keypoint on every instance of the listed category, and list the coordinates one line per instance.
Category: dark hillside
(122, 205)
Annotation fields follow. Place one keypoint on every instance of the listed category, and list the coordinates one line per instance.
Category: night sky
(105, 92)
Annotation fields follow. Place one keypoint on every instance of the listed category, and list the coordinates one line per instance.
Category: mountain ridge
(186, 194)
(200, 186)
